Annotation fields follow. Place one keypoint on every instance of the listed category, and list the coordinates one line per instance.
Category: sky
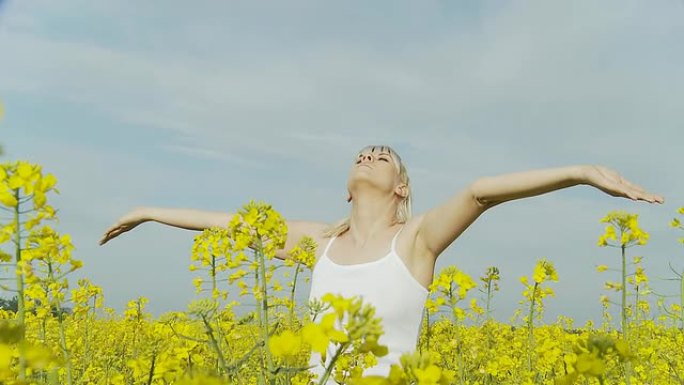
(208, 105)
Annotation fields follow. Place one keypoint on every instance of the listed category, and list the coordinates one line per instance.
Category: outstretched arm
(188, 219)
(191, 219)
(440, 226)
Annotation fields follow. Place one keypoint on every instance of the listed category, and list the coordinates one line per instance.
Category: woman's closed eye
(383, 158)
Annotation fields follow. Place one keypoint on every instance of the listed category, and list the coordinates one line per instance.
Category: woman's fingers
(641, 194)
(632, 185)
(105, 238)
(112, 232)
(625, 188)
(644, 196)
(123, 224)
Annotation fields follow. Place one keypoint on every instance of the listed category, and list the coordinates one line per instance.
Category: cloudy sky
(208, 105)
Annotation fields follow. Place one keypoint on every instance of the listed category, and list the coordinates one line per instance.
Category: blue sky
(175, 104)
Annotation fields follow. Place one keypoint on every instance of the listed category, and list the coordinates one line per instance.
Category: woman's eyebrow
(379, 154)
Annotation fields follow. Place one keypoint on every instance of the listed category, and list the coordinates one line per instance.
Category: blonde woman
(383, 253)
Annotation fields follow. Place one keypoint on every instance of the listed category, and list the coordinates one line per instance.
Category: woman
(380, 251)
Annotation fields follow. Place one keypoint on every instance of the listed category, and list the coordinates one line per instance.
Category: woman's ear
(402, 190)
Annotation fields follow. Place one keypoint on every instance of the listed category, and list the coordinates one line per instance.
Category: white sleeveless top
(387, 284)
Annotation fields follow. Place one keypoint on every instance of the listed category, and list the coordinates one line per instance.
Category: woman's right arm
(191, 219)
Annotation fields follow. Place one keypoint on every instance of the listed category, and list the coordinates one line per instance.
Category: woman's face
(375, 165)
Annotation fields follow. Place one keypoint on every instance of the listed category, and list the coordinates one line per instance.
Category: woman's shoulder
(297, 231)
(315, 230)
(412, 225)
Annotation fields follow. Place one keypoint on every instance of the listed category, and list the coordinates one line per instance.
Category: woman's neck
(370, 216)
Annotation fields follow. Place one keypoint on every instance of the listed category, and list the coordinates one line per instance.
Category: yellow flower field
(61, 333)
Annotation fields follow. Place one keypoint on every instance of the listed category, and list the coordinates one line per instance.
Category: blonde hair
(403, 212)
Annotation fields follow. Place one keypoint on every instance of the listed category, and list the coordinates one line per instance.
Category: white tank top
(387, 284)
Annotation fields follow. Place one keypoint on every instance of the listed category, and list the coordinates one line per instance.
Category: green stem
(87, 320)
(489, 299)
(151, 374)
(292, 294)
(65, 350)
(624, 294)
(259, 315)
(427, 329)
(214, 287)
(62, 333)
(681, 301)
(625, 330)
(530, 326)
(21, 304)
(330, 367)
(636, 309)
(459, 349)
(214, 343)
(43, 331)
(213, 274)
(263, 309)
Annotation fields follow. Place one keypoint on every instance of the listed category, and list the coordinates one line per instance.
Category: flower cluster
(450, 287)
(629, 231)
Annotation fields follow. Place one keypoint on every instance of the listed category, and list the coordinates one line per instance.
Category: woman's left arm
(441, 225)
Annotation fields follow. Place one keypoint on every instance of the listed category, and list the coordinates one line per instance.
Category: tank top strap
(325, 252)
(394, 240)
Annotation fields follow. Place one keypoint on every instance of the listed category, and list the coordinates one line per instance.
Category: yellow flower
(286, 345)
(430, 305)
(304, 252)
(590, 364)
(320, 335)
(475, 308)
(601, 268)
(539, 273)
(6, 197)
(640, 275)
(428, 376)
(544, 270)
(198, 283)
(339, 303)
(236, 275)
(464, 282)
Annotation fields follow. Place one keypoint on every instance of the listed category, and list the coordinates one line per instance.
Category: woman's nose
(367, 158)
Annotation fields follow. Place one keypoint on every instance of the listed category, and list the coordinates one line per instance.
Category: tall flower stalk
(490, 282)
(22, 184)
(534, 294)
(678, 311)
(622, 231)
(302, 256)
(47, 262)
(451, 287)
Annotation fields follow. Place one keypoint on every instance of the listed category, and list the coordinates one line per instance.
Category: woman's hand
(125, 223)
(613, 184)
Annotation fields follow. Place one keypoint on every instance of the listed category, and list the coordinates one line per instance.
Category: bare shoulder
(414, 251)
(299, 229)
(409, 239)
(296, 230)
